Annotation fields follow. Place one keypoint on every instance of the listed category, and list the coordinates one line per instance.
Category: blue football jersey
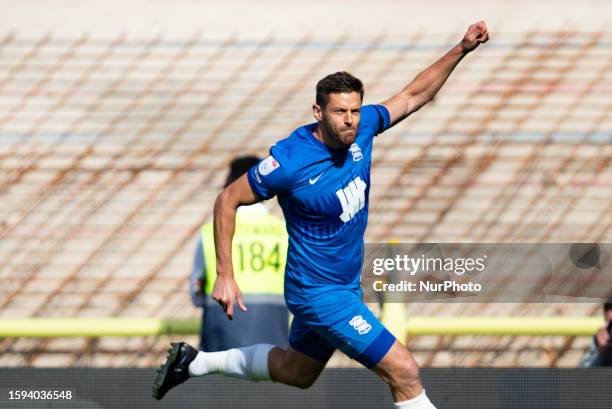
(323, 193)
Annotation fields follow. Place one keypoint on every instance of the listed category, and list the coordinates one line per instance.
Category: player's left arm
(427, 84)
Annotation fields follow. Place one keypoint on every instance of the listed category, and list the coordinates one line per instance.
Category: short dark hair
(607, 306)
(239, 166)
(337, 83)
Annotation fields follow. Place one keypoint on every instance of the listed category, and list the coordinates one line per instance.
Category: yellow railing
(393, 318)
(96, 327)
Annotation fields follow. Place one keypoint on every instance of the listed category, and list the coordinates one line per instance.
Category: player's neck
(320, 133)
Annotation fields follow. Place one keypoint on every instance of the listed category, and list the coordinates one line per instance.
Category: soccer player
(321, 176)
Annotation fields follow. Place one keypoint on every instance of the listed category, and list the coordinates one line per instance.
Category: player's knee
(406, 373)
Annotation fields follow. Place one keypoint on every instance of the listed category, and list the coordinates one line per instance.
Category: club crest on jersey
(360, 324)
(356, 152)
(268, 165)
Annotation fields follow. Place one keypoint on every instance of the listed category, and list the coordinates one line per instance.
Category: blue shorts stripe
(377, 349)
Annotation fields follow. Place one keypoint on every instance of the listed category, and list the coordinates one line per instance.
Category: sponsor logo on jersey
(356, 152)
(268, 165)
(360, 325)
(352, 198)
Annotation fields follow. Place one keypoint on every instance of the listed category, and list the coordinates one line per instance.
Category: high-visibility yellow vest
(259, 254)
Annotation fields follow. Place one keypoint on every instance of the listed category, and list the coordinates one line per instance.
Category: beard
(345, 139)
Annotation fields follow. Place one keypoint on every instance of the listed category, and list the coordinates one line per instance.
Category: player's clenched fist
(477, 33)
(226, 293)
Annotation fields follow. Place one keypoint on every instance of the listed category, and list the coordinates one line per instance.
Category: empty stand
(112, 151)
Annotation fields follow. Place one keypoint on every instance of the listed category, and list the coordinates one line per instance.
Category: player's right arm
(226, 291)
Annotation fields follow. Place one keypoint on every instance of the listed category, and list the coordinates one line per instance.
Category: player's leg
(260, 362)
(350, 326)
(184, 362)
(401, 372)
(250, 362)
(299, 365)
(294, 368)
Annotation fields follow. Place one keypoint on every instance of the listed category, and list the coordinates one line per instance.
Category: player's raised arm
(426, 85)
(226, 291)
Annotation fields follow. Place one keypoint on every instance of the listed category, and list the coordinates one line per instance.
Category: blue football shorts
(330, 318)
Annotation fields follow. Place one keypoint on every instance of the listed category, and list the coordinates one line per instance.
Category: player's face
(341, 116)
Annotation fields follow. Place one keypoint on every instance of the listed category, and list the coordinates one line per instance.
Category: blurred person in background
(600, 353)
(259, 251)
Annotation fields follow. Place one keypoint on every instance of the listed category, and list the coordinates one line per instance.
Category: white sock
(420, 402)
(246, 363)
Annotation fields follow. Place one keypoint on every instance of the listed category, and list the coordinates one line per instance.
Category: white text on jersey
(352, 198)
